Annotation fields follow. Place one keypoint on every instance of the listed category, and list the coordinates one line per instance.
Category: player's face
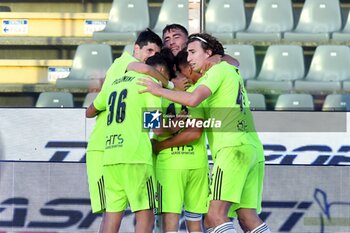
(196, 55)
(146, 51)
(175, 40)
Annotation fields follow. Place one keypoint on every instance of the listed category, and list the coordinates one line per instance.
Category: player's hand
(209, 62)
(155, 146)
(181, 82)
(151, 86)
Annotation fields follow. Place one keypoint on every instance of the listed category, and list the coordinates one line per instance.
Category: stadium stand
(126, 18)
(31, 71)
(329, 67)
(344, 34)
(49, 24)
(256, 101)
(225, 17)
(337, 102)
(89, 98)
(5, 9)
(245, 54)
(269, 20)
(318, 19)
(172, 11)
(129, 48)
(294, 102)
(282, 65)
(90, 63)
(346, 86)
(55, 100)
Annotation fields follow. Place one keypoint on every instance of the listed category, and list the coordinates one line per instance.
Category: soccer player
(175, 37)
(236, 187)
(146, 45)
(182, 166)
(128, 164)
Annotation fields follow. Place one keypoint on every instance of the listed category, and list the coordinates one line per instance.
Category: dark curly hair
(208, 42)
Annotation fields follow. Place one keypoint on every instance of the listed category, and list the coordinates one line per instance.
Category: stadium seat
(172, 11)
(344, 34)
(329, 67)
(129, 48)
(337, 102)
(55, 100)
(270, 18)
(245, 54)
(90, 63)
(89, 98)
(317, 20)
(225, 17)
(282, 65)
(294, 102)
(346, 85)
(126, 19)
(256, 101)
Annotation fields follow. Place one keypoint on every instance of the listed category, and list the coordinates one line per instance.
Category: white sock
(171, 232)
(226, 227)
(210, 230)
(263, 228)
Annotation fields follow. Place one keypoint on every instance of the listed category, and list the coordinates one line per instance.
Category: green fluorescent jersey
(125, 139)
(229, 104)
(191, 156)
(117, 69)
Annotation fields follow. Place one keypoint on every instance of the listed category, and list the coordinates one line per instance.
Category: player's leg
(170, 222)
(112, 221)
(250, 204)
(116, 199)
(193, 222)
(144, 221)
(140, 189)
(170, 189)
(196, 198)
(94, 168)
(229, 174)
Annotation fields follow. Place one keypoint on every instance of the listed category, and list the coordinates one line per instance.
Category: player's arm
(91, 111)
(191, 99)
(97, 106)
(184, 137)
(215, 59)
(151, 71)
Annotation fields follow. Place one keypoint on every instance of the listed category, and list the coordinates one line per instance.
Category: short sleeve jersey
(126, 141)
(190, 156)
(228, 103)
(117, 69)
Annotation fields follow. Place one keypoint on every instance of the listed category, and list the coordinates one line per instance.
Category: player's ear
(209, 52)
(136, 50)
